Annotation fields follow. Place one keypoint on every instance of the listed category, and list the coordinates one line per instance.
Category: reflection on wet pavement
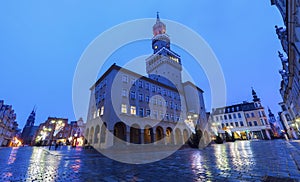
(241, 160)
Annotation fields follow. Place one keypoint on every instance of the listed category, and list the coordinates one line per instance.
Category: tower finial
(255, 98)
(157, 16)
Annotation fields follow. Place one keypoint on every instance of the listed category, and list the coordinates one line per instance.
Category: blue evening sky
(41, 43)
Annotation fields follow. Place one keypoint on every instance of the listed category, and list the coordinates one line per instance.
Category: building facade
(289, 36)
(52, 130)
(128, 108)
(58, 130)
(243, 121)
(77, 132)
(29, 129)
(8, 124)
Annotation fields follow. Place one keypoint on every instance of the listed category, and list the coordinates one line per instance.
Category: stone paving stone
(238, 161)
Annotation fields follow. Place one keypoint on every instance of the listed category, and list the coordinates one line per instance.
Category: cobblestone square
(275, 160)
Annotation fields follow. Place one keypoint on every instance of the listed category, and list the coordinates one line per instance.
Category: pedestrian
(56, 145)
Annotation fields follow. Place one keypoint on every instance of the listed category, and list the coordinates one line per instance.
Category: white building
(244, 121)
(128, 108)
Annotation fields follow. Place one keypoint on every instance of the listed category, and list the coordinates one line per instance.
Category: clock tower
(163, 65)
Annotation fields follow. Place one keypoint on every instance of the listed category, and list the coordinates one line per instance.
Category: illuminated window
(133, 110)
(155, 47)
(102, 111)
(98, 112)
(174, 59)
(124, 108)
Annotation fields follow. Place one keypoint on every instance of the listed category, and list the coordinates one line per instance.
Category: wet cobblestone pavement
(238, 161)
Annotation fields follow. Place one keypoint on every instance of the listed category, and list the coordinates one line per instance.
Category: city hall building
(159, 109)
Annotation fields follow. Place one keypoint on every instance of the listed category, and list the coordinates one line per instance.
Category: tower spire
(255, 98)
(159, 27)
